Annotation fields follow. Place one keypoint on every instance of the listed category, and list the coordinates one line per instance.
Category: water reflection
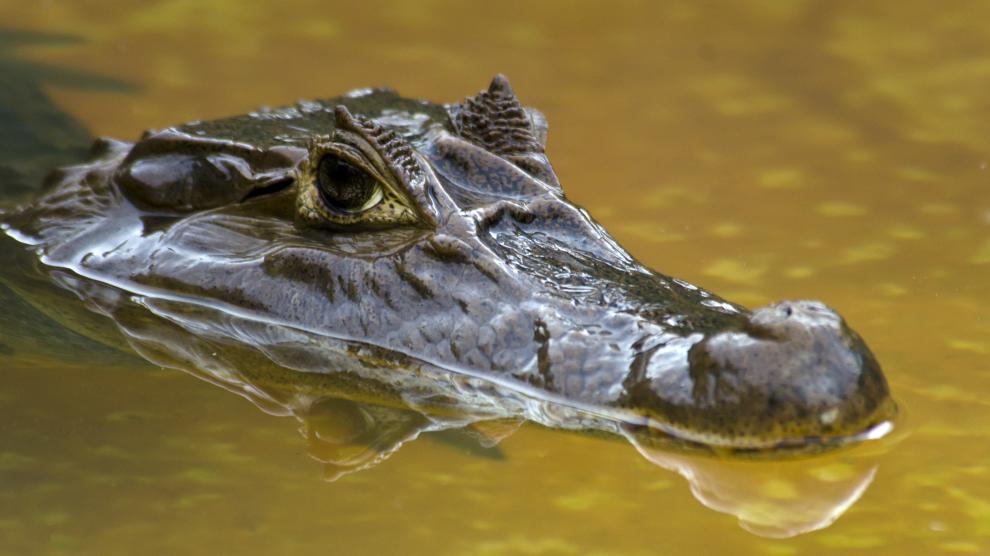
(353, 419)
(348, 436)
(777, 499)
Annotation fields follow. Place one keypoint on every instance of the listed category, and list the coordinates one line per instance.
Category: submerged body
(413, 243)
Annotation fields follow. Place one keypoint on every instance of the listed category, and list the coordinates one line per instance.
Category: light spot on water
(658, 485)
(840, 540)
(651, 231)
(859, 155)
(482, 525)
(193, 500)
(523, 545)
(577, 502)
(962, 547)
(873, 251)
(947, 392)
(441, 478)
(975, 470)
(782, 178)
(735, 270)
(891, 289)
(727, 230)
(799, 272)
(905, 232)
(982, 255)
(780, 489)
(833, 473)
(224, 452)
(200, 475)
(671, 196)
(779, 549)
(840, 209)
(735, 95)
(10, 461)
(605, 211)
(318, 28)
(971, 346)
(111, 452)
(973, 506)
(917, 174)
(128, 416)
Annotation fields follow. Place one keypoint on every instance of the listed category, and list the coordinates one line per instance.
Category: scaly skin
(473, 264)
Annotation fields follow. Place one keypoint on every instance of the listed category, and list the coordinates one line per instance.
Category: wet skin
(438, 237)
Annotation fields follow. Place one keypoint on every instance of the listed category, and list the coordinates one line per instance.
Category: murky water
(772, 151)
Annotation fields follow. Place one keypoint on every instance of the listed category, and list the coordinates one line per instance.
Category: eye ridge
(346, 187)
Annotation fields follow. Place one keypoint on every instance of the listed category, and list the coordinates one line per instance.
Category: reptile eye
(346, 187)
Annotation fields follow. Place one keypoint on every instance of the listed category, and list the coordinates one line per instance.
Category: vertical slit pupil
(343, 185)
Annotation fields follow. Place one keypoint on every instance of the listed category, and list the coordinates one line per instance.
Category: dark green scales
(428, 251)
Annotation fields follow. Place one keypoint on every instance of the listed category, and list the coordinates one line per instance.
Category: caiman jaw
(795, 375)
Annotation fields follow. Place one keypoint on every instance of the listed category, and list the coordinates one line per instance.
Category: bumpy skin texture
(500, 277)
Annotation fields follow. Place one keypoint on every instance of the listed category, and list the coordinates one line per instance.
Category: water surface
(764, 151)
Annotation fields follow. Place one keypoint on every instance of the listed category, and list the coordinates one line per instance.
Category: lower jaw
(668, 436)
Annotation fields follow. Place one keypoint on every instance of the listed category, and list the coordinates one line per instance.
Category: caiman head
(440, 235)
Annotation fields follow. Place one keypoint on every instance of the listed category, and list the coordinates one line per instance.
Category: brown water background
(764, 150)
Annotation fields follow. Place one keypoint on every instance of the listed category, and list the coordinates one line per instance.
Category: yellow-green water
(766, 150)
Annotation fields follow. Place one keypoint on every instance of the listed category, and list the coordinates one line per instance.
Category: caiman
(408, 242)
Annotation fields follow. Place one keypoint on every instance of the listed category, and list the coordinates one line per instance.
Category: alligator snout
(795, 372)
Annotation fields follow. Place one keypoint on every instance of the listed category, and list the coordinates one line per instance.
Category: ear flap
(496, 121)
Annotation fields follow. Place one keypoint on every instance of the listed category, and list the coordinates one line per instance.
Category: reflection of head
(776, 499)
(348, 436)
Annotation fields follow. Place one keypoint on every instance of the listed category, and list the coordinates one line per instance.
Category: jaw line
(724, 445)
